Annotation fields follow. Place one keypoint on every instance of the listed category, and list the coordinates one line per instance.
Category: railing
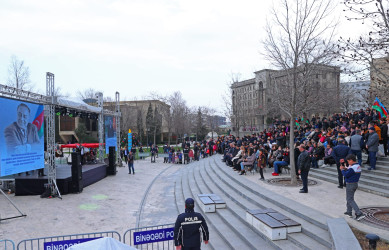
(129, 239)
(7, 245)
(38, 243)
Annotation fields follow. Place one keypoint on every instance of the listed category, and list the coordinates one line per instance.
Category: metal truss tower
(50, 134)
(117, 119)
(100, 103)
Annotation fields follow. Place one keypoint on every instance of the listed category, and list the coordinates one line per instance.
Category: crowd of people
(326, 140)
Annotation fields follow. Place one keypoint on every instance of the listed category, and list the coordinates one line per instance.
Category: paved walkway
(110, 204)
(113, 204)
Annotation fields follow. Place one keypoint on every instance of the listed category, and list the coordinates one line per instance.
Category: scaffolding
(118, 115)
(50, 103)
(50, 134)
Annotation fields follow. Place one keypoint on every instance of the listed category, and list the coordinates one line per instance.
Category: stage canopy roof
(77, 103)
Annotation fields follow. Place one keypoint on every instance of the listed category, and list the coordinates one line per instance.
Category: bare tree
(348, 97)
(91, 93)
(367, 56)
(19, 75)
(180, 113)
(210, 115)
(295, 42)
(233, 105)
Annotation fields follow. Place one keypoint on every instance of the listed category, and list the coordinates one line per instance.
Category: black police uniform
(187, 229)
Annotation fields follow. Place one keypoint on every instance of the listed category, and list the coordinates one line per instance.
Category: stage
(34, 185)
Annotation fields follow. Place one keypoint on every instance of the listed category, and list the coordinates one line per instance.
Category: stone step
(381, 161)
(243, 232)
(364, 187)
(379, 170)
(312, 233)
(366, 177)
(240, 214)
(294, 241)
(378, 166)
(231, 240)
(315, 217)
(216, 240)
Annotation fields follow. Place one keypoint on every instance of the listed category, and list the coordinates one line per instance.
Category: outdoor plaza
(155, 195)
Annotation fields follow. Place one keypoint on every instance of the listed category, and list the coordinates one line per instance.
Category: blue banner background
(151, 236)
(17, 155)
(110, 133)
(65, 244)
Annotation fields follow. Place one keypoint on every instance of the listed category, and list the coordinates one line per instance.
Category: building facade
(134, 116)
(255, 102)
(379, 79)
(360, 92)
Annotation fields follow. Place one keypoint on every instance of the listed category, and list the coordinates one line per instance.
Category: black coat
(304, 161)
(187, 229)
(384, 131)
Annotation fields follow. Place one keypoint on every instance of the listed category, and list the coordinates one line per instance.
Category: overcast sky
(135, 46)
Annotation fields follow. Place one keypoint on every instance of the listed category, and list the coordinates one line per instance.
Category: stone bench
(271, 223)
(163, 155)
(210, 202)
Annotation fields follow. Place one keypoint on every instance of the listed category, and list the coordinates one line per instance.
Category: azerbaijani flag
(377, 105)
(297, 122)
(39, 121)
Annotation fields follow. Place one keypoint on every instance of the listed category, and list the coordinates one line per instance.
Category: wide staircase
(228, 227)
(373, 181)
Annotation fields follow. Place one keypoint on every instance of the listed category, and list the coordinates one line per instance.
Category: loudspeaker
(111, 169)
(77, 186)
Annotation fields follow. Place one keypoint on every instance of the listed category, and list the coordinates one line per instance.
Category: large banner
(110, 133)
(21, 136)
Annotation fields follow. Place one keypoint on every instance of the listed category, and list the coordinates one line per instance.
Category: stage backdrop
(21, 136)
(110, 133)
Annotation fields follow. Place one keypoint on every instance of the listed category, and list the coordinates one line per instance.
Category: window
(324, 76)
(67, 123)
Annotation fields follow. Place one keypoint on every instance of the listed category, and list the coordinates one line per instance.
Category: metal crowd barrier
(128, 238)
(38, 243)
(7, 245)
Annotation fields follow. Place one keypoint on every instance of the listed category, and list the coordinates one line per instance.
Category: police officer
(187, 228)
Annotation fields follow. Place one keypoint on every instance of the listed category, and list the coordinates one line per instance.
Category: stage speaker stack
(111, 169)
(77, 185)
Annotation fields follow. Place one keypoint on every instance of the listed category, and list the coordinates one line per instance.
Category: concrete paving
(114, 202)
(110, 204)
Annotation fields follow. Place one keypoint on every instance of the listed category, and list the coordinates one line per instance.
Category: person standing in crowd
(261, 163)
(356, 145)
(384, 135)
(340, 152)
(130, 161)
(352, 175)
(125, 154)
(304, 164)
(140, 150)
(186, 154)
(187, 228)
(153, 151)
(372, 147)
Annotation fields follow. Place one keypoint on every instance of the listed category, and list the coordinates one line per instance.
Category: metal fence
(38, 243)
(7, 245)
(128, 238)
